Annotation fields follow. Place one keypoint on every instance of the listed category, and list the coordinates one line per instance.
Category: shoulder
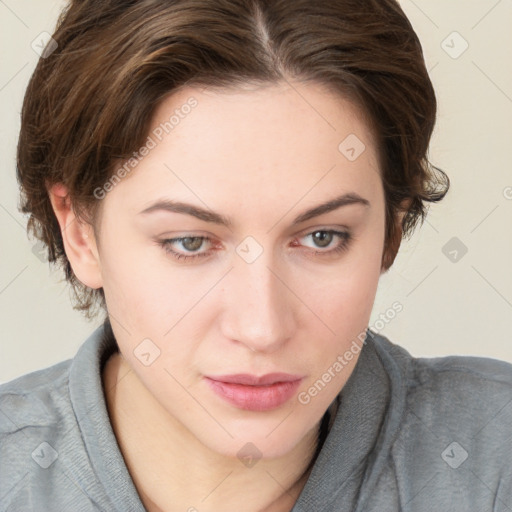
(34, 399)
(463, 395)
(456, 424)
(57, 448)
(467, 379)
(34, 412)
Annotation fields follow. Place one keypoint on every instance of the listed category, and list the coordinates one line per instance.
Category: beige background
(461, 307)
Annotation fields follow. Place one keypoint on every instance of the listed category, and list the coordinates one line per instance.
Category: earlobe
(78, 238)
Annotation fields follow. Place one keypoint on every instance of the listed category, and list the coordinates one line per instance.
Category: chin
(267, 440)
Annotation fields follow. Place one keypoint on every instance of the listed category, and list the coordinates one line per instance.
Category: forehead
(210, 141)
(273, 114)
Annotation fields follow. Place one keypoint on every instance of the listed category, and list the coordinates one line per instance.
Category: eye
(324, 238)
(189, 244)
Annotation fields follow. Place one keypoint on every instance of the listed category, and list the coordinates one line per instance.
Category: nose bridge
(259, 310)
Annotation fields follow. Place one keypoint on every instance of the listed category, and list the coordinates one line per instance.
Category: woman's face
(262, 276)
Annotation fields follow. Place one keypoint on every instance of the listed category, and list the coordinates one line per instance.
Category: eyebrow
(217, 218)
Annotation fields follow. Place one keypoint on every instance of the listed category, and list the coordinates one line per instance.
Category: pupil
(192, 246)
(323, 237)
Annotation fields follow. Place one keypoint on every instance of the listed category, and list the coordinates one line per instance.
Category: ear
(78, 237)
(391, 251)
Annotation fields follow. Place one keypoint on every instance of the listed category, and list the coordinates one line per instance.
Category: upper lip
(253, 380)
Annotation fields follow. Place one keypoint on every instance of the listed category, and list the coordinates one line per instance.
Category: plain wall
(453, 303)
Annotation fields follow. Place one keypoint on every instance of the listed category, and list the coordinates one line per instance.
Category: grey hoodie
(410, 434)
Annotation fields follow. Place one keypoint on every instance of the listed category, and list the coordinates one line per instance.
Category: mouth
(253, 393)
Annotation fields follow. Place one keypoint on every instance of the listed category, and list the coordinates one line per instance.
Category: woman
(227, 180)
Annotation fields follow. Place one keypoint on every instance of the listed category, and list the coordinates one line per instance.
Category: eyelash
(345, 237)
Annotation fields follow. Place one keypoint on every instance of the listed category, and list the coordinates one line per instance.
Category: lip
(253, 380)
(253, 393)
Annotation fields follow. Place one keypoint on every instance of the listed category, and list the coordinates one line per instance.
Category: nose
(258, 307)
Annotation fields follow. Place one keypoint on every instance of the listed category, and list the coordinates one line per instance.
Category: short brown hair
(90, 102)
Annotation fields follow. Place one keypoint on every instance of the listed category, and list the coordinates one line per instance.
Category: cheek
(345, 300)
(148, 298)
(133, 284)
(346, 304)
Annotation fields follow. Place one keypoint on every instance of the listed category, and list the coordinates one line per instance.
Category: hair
(90, 102)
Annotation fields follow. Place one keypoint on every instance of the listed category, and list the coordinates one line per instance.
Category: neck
(173, 470)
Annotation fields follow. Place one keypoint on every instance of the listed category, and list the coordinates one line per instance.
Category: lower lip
(255, 398)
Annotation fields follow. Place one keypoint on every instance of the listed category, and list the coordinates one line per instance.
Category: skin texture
(261, 157)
